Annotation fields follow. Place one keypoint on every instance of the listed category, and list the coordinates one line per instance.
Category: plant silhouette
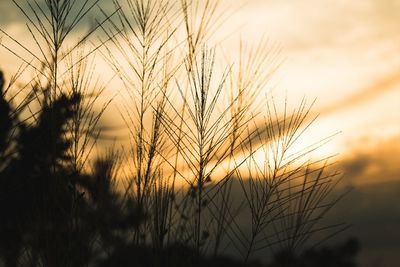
(45, 217)
(194, 140)
(342, 255)
(6, 119)
(53, 216)
(38, 201)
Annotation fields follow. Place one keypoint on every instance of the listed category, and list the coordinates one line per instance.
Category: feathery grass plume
(83, 127)
(201, 20)
(59, 76)
(142, 57)
(287, 194)
(247, 80)
(205, 142)
(58, 60)
(51, 25)
(202, 137)
(205, 153)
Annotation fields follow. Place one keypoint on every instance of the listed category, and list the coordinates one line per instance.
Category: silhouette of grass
(193, 135)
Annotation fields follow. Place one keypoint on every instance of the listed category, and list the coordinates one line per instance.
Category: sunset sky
(346, 54)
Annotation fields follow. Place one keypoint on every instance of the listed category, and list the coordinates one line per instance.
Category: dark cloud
(376, 164)
(357, 166)
(10, 13)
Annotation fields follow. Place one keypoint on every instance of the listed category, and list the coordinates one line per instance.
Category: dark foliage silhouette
(53, 216)
(38, 197)
(46, 219)
(172, 256)
(342, 255)
(190, 134)
(6, 119)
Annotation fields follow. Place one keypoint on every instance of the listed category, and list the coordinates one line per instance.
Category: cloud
(374, 164)
(380, 86)
(357, 166)
(11, 14)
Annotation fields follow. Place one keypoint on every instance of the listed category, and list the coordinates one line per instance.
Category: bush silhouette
(43, 205)
(37, 195)
(185, 125)
(342, 255)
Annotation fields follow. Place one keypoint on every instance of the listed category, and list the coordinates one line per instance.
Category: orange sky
(347, 55)
(344, 53)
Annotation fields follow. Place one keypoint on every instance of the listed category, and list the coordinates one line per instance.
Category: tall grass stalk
(199, 139)
(59, 62)
(182, 128)
(61, 76)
